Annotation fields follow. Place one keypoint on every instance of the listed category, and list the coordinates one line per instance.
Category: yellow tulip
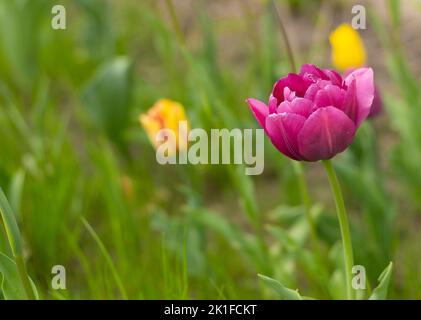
(166, 114)
(348, 49)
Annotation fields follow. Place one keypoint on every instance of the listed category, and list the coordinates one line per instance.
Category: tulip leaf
(284, 292)
(107, 96)
(380, 292)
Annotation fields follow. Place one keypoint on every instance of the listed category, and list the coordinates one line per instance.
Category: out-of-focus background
(83, 181)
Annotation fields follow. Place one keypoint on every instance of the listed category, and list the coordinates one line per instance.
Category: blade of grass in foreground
(284, 292)
(14, 238)
(107, 257)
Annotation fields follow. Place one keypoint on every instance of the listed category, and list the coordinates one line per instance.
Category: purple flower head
(314, 115)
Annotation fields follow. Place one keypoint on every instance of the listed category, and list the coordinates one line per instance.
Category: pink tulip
(314, 115)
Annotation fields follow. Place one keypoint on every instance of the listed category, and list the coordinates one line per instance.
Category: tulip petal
(259, 109)
(314, 88)
(288, 94)
(364, 91)
(327, 132)
(284, 107)
(300, 106)
(350, 106)
(377, 106)
(331, 95)
(282, 129)
(312, 91)
(273, 104)
(294, 82)
(334, 77)
(313, 73)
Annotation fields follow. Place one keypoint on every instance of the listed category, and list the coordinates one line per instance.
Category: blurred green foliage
(82, 178)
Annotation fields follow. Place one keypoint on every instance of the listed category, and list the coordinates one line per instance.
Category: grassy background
(87, 192)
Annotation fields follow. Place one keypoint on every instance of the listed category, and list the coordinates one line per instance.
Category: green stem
(107, 258)
(286, 39)
(344, 225)
(175, 22)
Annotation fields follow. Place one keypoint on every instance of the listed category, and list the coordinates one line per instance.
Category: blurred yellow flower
(166, 114)
(348, 49)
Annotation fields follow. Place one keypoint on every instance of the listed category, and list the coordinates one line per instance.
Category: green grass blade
(10, 225)
(380, 292)
(107, 257)
(11, 284)
(14, 238)
(284, 292)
